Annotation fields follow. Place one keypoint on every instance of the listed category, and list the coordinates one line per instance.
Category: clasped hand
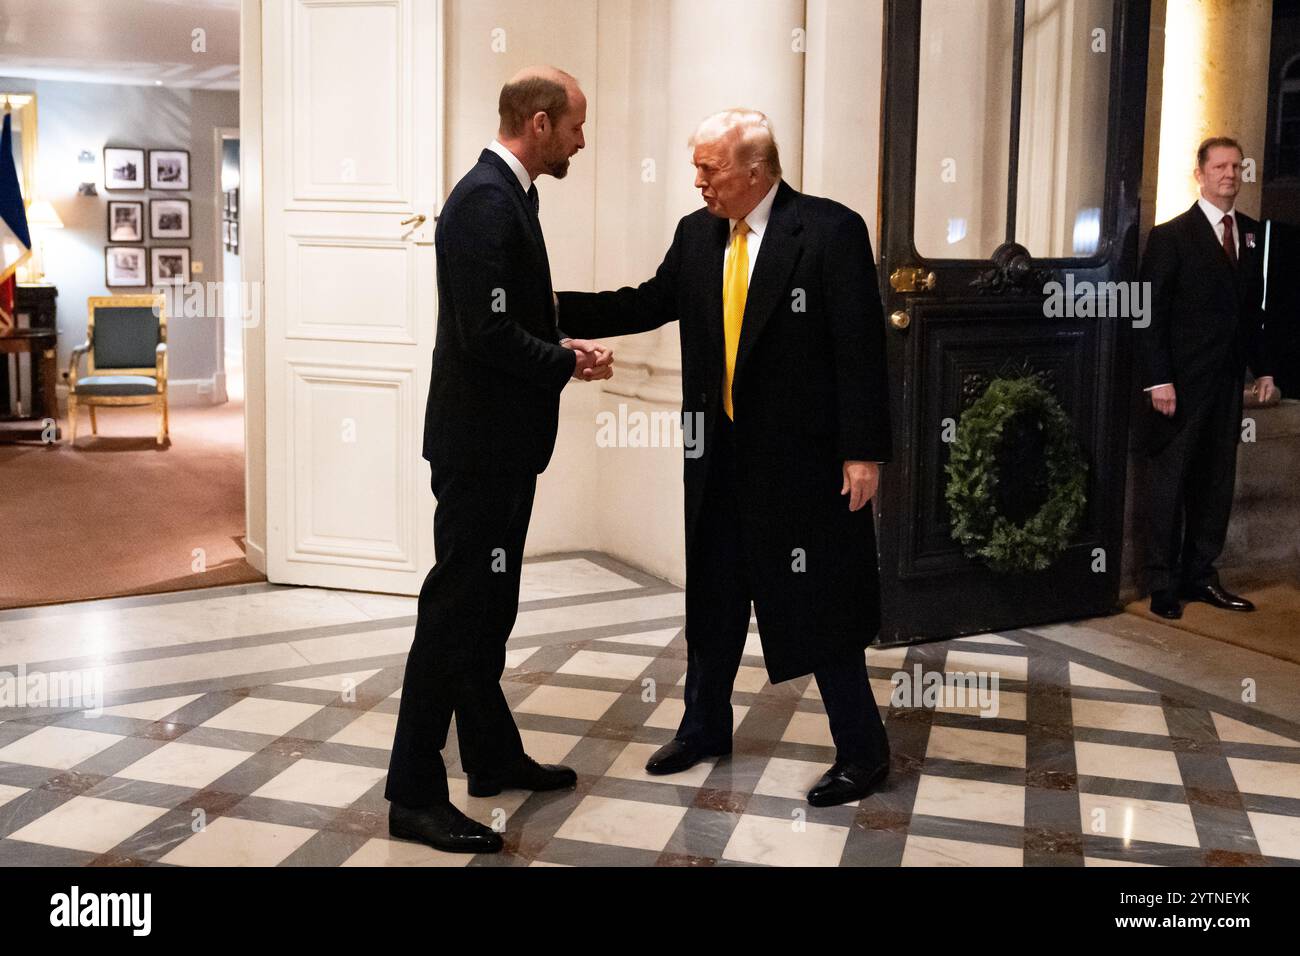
(593, 360)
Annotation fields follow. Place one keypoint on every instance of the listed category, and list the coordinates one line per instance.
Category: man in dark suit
(783, 360)
(499, 364)
(1206, 326)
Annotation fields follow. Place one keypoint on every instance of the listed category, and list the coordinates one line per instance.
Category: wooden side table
(42, 345)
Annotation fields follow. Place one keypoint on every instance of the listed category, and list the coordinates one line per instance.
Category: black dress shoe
(1216, 596)
(528, 774)
(678, 755)
(1166, 604)
(443, 828)
(846, 782)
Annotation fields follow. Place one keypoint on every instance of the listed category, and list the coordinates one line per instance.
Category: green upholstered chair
(126, 349)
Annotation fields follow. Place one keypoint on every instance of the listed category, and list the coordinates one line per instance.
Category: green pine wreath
(978, 523)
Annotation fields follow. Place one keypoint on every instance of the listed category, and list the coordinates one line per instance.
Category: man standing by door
(783, 360)
(499, 364)
(1206, 279)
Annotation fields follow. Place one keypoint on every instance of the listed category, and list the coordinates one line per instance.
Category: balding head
(542, 112)
(533, 90)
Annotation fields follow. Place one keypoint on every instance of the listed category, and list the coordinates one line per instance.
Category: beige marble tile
(602, 614)
(89, 824)
(605, 664)
(515, 657)
(230, 841)
(321, 782)
(1237, 732)
(569, 577)
(630, 823)
(494, 811)
(1110, 715)
(933, 851)
(1006, 666)
(750, 680)
(382, 852)
(1087, 677)
(630, 765)
(262, 715)
(753, 646)
(379, 607)
(976, 746)
(1126, 763)
(1278, 836)
(546, 747)
(1006, 705)
(371, 729)
(344, 683)
(891, 657)
(777, 842)
(805, 728)
(151, 709)
(970, 800)
(791, 779)
(59, 747)
(1272, 777)
(660, 638)
(98, 632)
(990, 639)
(568, 702)
(351, 647)
(1102, 861)
(204, 666)
(8, 793)
(1128, 820)
(185, 765)
(668, 715)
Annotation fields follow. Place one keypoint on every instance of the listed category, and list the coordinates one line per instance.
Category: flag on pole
(15, 238)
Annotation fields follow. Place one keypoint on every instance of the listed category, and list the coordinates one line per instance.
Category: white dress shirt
(513, 162)
(757, 222)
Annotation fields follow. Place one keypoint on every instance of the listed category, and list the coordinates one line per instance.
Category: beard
(559, 168)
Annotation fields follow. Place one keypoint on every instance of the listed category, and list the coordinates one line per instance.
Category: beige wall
(651, 70)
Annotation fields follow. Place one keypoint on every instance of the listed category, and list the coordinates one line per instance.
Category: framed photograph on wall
(123, 168)
(169, 169)
(170, 264)
(125, 221)
(169, 218)
(125, 266)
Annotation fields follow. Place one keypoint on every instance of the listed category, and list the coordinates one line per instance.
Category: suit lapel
(777, 255)
(524, 206)
(713, 262)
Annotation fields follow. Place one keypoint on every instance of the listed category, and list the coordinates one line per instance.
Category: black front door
(1011, 160)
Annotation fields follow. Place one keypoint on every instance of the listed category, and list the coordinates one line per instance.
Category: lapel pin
(1250, 240)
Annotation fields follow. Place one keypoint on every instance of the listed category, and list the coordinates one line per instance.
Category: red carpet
(120, 515)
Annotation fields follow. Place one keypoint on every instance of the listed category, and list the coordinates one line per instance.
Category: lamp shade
(41, 213)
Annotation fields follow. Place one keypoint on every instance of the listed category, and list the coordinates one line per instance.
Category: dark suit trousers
(718, 598)
(1190, 491)
(467, 608)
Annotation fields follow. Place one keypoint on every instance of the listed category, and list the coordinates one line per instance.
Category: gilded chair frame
(158, 372)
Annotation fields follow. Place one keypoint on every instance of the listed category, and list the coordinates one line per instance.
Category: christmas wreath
(1016, 477)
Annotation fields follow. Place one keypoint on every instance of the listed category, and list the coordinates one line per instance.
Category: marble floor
(250, 725)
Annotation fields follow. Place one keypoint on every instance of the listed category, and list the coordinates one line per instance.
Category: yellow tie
(735, 286)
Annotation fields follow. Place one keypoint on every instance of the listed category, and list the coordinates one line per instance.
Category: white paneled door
(351, 134)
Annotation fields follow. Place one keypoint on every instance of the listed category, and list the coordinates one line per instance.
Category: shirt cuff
(1161, 385)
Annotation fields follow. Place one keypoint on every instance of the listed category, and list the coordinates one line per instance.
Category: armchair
(126, 349)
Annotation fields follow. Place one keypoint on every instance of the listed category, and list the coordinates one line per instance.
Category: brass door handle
(418, 219)
(900, 319)
(912, 279)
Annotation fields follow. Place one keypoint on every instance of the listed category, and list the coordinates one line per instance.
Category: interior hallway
(1114, 744)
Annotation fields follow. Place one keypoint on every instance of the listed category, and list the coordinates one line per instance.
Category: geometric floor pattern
(252, 726)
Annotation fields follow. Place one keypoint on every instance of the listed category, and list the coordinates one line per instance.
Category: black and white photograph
(169, 169)
(125, 221)
(169, 219)
(123, 168)
(169, 264)
(125, 266)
